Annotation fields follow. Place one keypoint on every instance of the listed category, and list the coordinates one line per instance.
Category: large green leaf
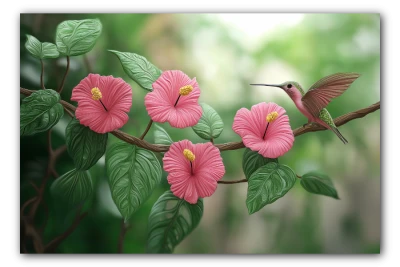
(252, 160)
(318, 183)
(73, 187)
(77, 37)
(84, 146)
(161, 136)
(40, 111)
(210, 124)
(133, 173)
(41, 50)
(267, 184)
(171, 220)
(138, 69)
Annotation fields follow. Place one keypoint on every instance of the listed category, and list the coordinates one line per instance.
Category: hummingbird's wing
(323, 91)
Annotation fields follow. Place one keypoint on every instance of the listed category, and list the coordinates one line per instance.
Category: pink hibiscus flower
(265, 129)
(193, 169)
(103, 102)
(174, 99)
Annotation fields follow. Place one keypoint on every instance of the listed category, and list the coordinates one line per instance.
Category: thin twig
(147, 129)
(233, 182)
(34, 186)
(26, 204)
(53, 244)
(124, 229)
(231, 145)
(69, 112)
(41, 74)
(87, 63)
(65, 76)
(46, 218)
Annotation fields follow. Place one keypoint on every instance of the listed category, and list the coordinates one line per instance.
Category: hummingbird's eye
(289, 86)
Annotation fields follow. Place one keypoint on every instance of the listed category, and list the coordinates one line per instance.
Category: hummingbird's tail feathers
(341, 137)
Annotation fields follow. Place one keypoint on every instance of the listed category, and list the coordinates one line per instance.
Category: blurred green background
(226, 52)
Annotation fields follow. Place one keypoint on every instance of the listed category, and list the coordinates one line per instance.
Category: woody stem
(147, 130)
(265, 130)
(177, 100)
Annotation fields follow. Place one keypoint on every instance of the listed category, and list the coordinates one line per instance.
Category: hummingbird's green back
(324, 114)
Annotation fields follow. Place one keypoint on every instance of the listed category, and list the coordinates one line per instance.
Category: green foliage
(40, 111)
(318, 183)
(252, 160)
(41, 50)
(210, 124)
(73, 187)
(84, 146)
(267, 184)
(171, 220)
(77, 37)
(161, 136)
(133, 173)
(138, 69)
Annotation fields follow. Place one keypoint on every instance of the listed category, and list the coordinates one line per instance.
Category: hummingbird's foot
(304, 125)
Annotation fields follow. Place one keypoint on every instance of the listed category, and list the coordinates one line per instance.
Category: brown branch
(124, 229)
(147, 130)
(53, 244)
(65, 76)
(34, 186)
(26, 204)
(69, 112)
(231, 145)
(339, 120)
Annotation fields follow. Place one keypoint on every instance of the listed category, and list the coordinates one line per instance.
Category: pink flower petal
(160, 103)
(207, 170)
(116, 96)
(251, 125)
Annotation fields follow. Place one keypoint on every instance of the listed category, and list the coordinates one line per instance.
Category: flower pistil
(184, 90)
(189, 156)
(271, 117)
(97, 95)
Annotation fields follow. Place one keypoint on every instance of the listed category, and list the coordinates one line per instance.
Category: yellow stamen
(185, 90)
(272, 116)
(188, 154)
(96, 94)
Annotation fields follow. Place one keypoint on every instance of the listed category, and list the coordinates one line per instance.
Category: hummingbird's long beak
(270, 85)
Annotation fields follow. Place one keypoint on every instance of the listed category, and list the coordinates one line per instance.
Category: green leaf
(40, 111)
(318, 183)
(73, 187)
(171, 220)
(161, 136)
(210, 124)
(252, 160)
(77, 37)
(84, 146)
(138, 69)
(267, 184)
(133, 173)
(41, 50)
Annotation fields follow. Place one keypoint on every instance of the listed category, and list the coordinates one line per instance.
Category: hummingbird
(312, 104)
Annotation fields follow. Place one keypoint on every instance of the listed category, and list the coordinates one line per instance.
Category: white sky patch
(254, 26)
